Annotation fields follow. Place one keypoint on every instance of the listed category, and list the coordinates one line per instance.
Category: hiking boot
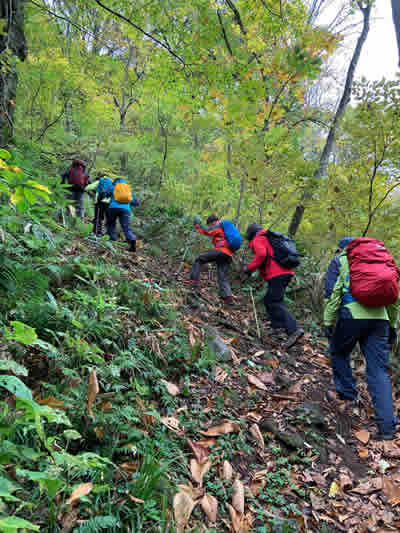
(351, 402)
(132, 247)
(228, 301)
(293, 338)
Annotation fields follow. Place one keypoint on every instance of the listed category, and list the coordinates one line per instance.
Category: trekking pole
(255, 313)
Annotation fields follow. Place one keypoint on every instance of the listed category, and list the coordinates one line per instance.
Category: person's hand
(328, 331)
(392, 336)
(196, 221)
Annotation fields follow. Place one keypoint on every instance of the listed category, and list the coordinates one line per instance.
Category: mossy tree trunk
(12, 48)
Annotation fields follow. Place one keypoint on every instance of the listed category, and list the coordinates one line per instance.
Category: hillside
(121, 412)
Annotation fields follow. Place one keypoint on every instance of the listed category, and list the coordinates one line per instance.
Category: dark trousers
(223, 262)
(124, 217)
(274, 304)
(373, 337)
(100, 209)
(78, 201)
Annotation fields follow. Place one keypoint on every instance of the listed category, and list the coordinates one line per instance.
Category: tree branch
(237, 16)
(224, 32)
(141, 30)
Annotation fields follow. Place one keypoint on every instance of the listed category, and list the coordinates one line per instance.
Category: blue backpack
(105, 188)
(232, 235)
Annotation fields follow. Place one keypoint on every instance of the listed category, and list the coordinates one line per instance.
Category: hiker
(104, 189)
(361, 279)
(221, 256)
(120, 209)
(78, 180)
(278, 278)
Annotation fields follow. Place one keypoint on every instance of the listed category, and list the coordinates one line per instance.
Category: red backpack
(374, 276)
(78, 178)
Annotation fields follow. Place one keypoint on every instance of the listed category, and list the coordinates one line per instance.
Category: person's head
(212, 220)
(343, 243)
(252, 231)
(78, 163)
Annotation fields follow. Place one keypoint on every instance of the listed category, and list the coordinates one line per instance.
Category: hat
(252, 231)
(343, 243)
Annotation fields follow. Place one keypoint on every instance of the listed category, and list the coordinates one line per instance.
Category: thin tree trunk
(12, 46)
(345, 99)
(239, 206)
(396, 21)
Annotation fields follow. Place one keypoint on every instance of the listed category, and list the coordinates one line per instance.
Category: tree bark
(330, 140)
(396, 21)
(12, 47)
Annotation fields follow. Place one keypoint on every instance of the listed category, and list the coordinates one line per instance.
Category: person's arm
(331, 277)
(260, 254)
(134, 202)
(211, 231)
(65, 176)
(332, 303)
(92, 186)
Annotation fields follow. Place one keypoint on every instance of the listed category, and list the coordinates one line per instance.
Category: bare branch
(224, 32)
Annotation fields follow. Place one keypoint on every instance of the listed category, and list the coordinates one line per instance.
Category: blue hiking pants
(124, 217)
(373, 337)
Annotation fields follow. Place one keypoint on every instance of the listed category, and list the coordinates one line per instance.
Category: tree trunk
(396, 21)
(12, 47)
(330, 140)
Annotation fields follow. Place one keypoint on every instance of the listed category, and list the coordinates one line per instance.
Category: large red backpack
(77, 177)
(374, 276)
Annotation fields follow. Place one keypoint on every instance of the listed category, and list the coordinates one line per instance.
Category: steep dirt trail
(340, 480)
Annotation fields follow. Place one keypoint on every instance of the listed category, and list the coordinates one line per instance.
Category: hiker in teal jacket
(347, 322)
(121, 212)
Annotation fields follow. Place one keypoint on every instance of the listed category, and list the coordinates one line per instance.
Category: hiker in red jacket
(278, 277)
(221, 255)
(78, 180)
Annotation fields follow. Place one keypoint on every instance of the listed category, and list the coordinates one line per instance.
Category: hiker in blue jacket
(122, 212)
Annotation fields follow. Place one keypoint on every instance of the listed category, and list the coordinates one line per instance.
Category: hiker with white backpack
(361, 306)
(226, 240)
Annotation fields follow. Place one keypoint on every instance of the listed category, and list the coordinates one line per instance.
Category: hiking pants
(100, 210)
(77, 199)
(373, 337)
(124, 217)
(278, 313)
(223, 262)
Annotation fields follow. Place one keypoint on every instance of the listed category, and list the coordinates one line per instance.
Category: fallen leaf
(296, 388)
(240, 523)
(222, 429)
(171, 388)
(93, 391)
(266, 377)
(345, 481)
(256, 433)
(273, 363)
(238, 496)
(201, 449)
(257, 354)
(52, 402)
(183, 505)
(173, 424)
(210, 507)
(369, 486)
(81, 490)
(317, 502)
(130, 468)
(362, 436)
(256, 382)
(106, 406)
(227, 470)
(135, 500)
(391, 491)
(220, 375)
(198, 470)
(363, 452)
(333, 489)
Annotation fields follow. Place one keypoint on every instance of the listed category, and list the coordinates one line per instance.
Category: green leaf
(12, 366)
(71, 434)
(11, 524)
(22, 333)
(4, 154)
(16, 386)
(51, 484)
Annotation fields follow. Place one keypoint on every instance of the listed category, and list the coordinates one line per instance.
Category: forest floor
(264, 449)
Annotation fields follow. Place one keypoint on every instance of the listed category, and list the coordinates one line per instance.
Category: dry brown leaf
(52, 402)
(363, 452)
(240, 523)
(238, 496)
(227, 470)
(256, 382)
(345, 481)
(171, 388)
(273, 363)
(257, 354)
(200, 450)
(222, 429)
(93, 391)
(257, 435)
(173, 424)
(106, 406)
(391, 448)
(183, 505)
(369, 486)
(68, 519)
(81, 490)
(296, 388)
(198, 470)
(266, 377)
(135, 500)
(220, 375)
(391, 491)
(130, 468)
(362, 436)
(210, 507)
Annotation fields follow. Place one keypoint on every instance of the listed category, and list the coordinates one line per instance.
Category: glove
(196, 221)
(328, 331)
(392, 336)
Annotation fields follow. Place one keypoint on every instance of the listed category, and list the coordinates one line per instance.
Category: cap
(344, 242)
